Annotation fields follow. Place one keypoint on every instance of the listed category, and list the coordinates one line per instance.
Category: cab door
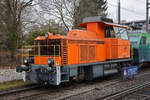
(143, 49)
(123, 43)
(111, 43)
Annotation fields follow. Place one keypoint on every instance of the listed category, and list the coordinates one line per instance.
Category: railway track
(142, 94)
(54, 90)
(82, 91)
(100, 93)
(123, 93)
(15, 92)
(35, 91)
(7, 92)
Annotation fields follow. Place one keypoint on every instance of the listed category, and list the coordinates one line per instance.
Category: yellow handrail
(131, 50)
(40, 45)
(22, 55)
(39, 53)
(54, 50)
(27, 50)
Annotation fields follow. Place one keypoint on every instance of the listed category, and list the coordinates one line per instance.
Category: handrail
(131, 50)
(33, 48)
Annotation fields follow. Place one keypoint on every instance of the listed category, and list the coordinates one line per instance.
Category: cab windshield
(121, 33)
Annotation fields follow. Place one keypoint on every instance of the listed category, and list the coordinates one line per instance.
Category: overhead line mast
(119, 17)
(147, 14)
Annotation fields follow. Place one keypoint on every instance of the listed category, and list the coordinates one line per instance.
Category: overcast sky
(130, 9)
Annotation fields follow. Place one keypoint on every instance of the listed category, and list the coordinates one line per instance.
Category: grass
(12, 84)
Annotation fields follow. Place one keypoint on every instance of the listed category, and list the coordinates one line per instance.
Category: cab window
(109, 32)
(143, 40)
(123, 33)
(117, 32)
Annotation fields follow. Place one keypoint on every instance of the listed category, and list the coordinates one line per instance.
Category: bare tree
(11, 16)
(62, 11)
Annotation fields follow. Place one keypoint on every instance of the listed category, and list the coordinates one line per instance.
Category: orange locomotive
(102, 49)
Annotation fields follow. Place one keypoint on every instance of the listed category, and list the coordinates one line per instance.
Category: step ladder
(64, 52)
(64, 74)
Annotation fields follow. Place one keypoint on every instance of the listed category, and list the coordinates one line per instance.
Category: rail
(20, 91)
(124, 92)
(101, 93)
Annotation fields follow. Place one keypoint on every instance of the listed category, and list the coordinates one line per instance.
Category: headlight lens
(48, 61)
(25, 61)
(46, 35)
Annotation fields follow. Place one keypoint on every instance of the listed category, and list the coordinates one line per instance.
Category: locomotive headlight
(25, 61)
(48, 62)
(46, 35)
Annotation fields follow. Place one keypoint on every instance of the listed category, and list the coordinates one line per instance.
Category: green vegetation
(12, 84)
(41, 32)
(33, 35)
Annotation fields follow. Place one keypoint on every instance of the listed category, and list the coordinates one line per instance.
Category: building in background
(138, 26)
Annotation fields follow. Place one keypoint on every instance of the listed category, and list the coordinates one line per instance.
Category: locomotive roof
(82, 34)
(99, 19)
(105, 23)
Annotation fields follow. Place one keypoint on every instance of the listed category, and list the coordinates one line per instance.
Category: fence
(9, 75)
(6, 59)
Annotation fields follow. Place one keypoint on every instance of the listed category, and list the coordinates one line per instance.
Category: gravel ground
(85, 91)
(9, 75)
(73, 89)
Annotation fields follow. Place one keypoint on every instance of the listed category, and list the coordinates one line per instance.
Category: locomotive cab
(115, 37)
(117, 42)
